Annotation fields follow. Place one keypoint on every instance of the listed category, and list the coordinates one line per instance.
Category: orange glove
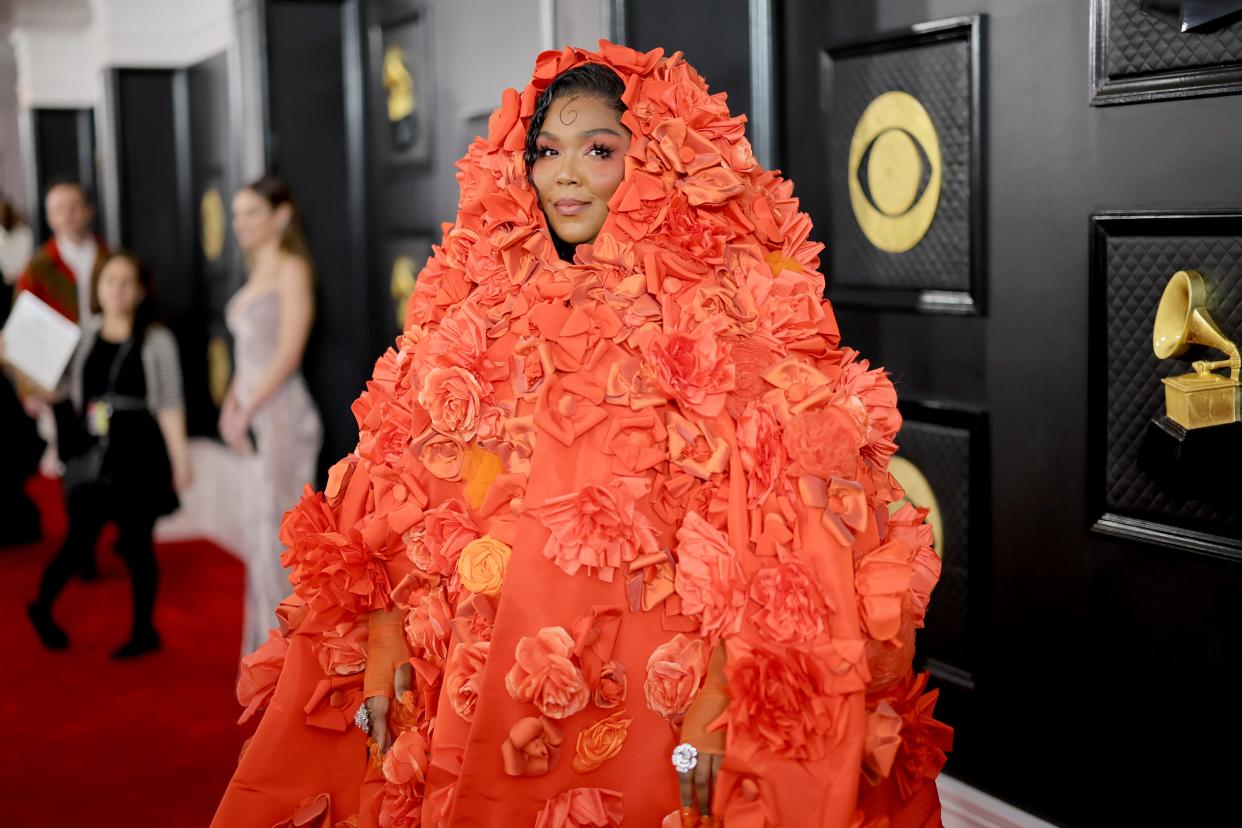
(386, 651)
(708, 705)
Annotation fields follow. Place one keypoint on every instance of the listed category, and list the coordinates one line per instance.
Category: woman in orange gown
(617, 487)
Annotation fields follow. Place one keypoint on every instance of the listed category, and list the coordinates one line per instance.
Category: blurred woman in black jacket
(123, 443)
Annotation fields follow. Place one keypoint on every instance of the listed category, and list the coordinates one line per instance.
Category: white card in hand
(38, 341)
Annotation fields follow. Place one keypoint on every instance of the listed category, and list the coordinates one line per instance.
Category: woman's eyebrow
(590, 133)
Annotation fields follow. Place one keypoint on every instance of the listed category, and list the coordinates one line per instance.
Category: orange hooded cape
(573, 481)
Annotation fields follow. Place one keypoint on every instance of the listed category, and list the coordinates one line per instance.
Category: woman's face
(119, 290)
(254, 220)
(579, 163)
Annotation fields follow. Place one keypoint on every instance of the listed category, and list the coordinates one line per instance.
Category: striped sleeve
(163, 368)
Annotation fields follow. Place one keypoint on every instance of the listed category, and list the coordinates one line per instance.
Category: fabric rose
(400, 807)
(464, 677)
(674, 673)
(882, 577)
(544, 675)
(454, 398)
(824, 442)
(924, 741)
(445, 532)
(532, 747)
(695, 448)
(752, 357)
(601, 741)
(762, 452)
(799, 387)
(259, 671)
(612, 685)
(443, 455)
(406, 760)
(636, 442)
(427, 629)
(693, 366)
(482, 565)
(791, 604)
(582, 808)
(709, 580)
(910, 526)
(598, 528)
(342, 650)
(781, 702)
(870, 397)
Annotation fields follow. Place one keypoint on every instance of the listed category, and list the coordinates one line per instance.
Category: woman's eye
(545, 152)
(601, 151)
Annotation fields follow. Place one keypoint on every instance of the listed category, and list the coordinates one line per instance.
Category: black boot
(50, 633)
(139, 643)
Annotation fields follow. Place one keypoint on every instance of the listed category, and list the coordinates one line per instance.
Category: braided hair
(590, 79)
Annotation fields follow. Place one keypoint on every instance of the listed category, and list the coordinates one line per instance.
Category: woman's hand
(235, 425)
(183, 476)
(378, 707)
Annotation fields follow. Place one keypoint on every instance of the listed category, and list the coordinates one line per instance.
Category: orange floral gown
(572, 482)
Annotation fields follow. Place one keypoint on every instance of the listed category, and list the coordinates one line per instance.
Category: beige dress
(287, 436)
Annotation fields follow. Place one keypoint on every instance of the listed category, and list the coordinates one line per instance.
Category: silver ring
(685, 757)
(362, 719)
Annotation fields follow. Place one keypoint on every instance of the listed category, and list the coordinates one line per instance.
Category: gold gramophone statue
(1202, 398)
(1188, 449)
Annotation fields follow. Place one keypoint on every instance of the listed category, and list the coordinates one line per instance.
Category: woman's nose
(567, 171)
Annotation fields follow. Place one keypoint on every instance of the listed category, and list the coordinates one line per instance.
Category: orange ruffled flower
(583, 808)
(465, 675)
(824, 442)
(601, 741)
(333, 570)
(791, 604)
(762, 452)
(612, 685)
(445, 532)
(710, 580)
(342, 650)
(259, 671)
(545, 676)
(924, 741)
(781, 702)
(693, 366)
(599, 529)
(674, 673)
(482, 565)
(532, 747)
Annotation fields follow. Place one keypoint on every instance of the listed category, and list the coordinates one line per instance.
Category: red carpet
(89, 741)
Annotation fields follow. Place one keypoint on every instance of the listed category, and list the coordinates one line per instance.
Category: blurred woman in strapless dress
(268, 410)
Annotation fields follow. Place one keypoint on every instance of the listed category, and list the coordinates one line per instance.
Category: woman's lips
(570, 207)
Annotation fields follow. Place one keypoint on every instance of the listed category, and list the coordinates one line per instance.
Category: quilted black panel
(943, 455)
(939, 76)
(1138, 269)
(1142, 42)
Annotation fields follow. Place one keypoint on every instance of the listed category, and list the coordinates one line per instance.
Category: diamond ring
(362, 719)
(685, 757)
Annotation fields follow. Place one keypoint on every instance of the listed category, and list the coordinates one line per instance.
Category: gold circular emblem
(404, 275)
(219, 368)
(211, 221)
(894, 172)
(918, 494)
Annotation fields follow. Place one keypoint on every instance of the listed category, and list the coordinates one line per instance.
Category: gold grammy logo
(894, 172)
(1202, 398)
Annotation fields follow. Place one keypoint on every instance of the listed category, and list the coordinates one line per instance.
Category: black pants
(90, 507)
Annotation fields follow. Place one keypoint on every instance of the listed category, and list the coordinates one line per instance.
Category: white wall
(482, 47)
(12, 178)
